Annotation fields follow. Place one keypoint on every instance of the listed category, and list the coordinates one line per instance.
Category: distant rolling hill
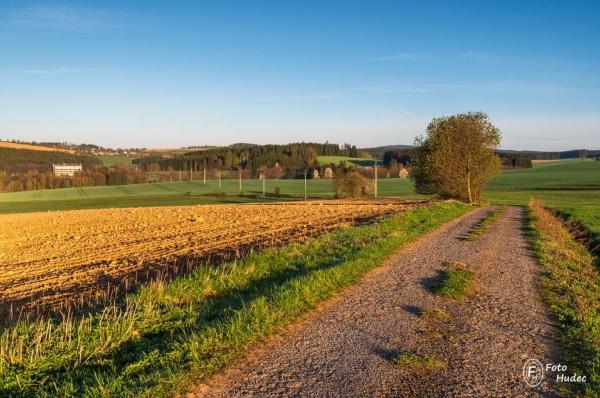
(338, 159)
(378, 151)
(4, 144)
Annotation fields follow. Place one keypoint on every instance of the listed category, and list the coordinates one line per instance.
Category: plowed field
(54, 260)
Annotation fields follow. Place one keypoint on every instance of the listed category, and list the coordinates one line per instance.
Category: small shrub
(353, 185)
(338, 187)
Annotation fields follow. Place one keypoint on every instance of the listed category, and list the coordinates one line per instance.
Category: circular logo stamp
(533, 372)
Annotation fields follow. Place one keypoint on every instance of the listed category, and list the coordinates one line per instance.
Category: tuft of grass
(457, 283)
(433, 335)
(418, 362)
(436, 314)
(484, 225)
(570, 287)
(177, 332)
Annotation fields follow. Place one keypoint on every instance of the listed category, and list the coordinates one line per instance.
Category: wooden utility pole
(375, 177)
(305, 173)
(179, 175)
(205, 176)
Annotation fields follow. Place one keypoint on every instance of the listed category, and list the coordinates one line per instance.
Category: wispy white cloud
(425, 88)
(62, 71)
(524, 85)
(485, 57)
(395, 56)
(299, 98)
(528, 61)
(85, 20)
(54, 71)
(373, 89)
(436, 87)
(491, 85)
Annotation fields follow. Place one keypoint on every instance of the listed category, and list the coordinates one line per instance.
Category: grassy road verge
(571, 288)
(169, 335)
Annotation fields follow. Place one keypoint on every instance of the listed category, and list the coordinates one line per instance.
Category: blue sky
(169, 74)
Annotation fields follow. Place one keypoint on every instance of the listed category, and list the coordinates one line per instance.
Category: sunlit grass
(457, 282)
(437, 314)
(571, 289)
(481, 228)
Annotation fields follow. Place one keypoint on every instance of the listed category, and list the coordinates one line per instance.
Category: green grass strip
(434, 314)
(171, 335)
(483, 226)
(457, 282)
(416, 361)
(571, 289)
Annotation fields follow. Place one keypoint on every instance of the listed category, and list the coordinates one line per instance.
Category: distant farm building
(66, 169)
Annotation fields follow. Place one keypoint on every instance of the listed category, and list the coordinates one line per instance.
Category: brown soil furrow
(49, 261)
(136, 241)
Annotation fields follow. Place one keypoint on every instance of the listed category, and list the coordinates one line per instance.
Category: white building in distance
(66, 169)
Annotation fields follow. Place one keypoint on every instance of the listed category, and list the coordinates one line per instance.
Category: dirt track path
(345, 350)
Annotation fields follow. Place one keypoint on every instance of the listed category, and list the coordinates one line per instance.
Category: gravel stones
(345, 350)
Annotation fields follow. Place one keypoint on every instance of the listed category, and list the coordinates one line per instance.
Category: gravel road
(344, 350)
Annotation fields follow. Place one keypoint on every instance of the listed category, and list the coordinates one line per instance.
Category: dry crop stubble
(59, 260)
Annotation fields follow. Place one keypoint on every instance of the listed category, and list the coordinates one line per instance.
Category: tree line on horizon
(33, 179)
(16, 160)
(23, 169)
(274, 161)
(27, 170)
(292, 160)
(572, 154)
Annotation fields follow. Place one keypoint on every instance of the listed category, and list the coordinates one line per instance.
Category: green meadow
(572, 186)
(340, 159)
(182, 193)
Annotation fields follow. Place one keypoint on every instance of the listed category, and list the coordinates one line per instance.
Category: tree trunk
(469, 188)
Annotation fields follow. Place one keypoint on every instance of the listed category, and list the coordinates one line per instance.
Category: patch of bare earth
(13, 145)
(75, 259)
(347, 349)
